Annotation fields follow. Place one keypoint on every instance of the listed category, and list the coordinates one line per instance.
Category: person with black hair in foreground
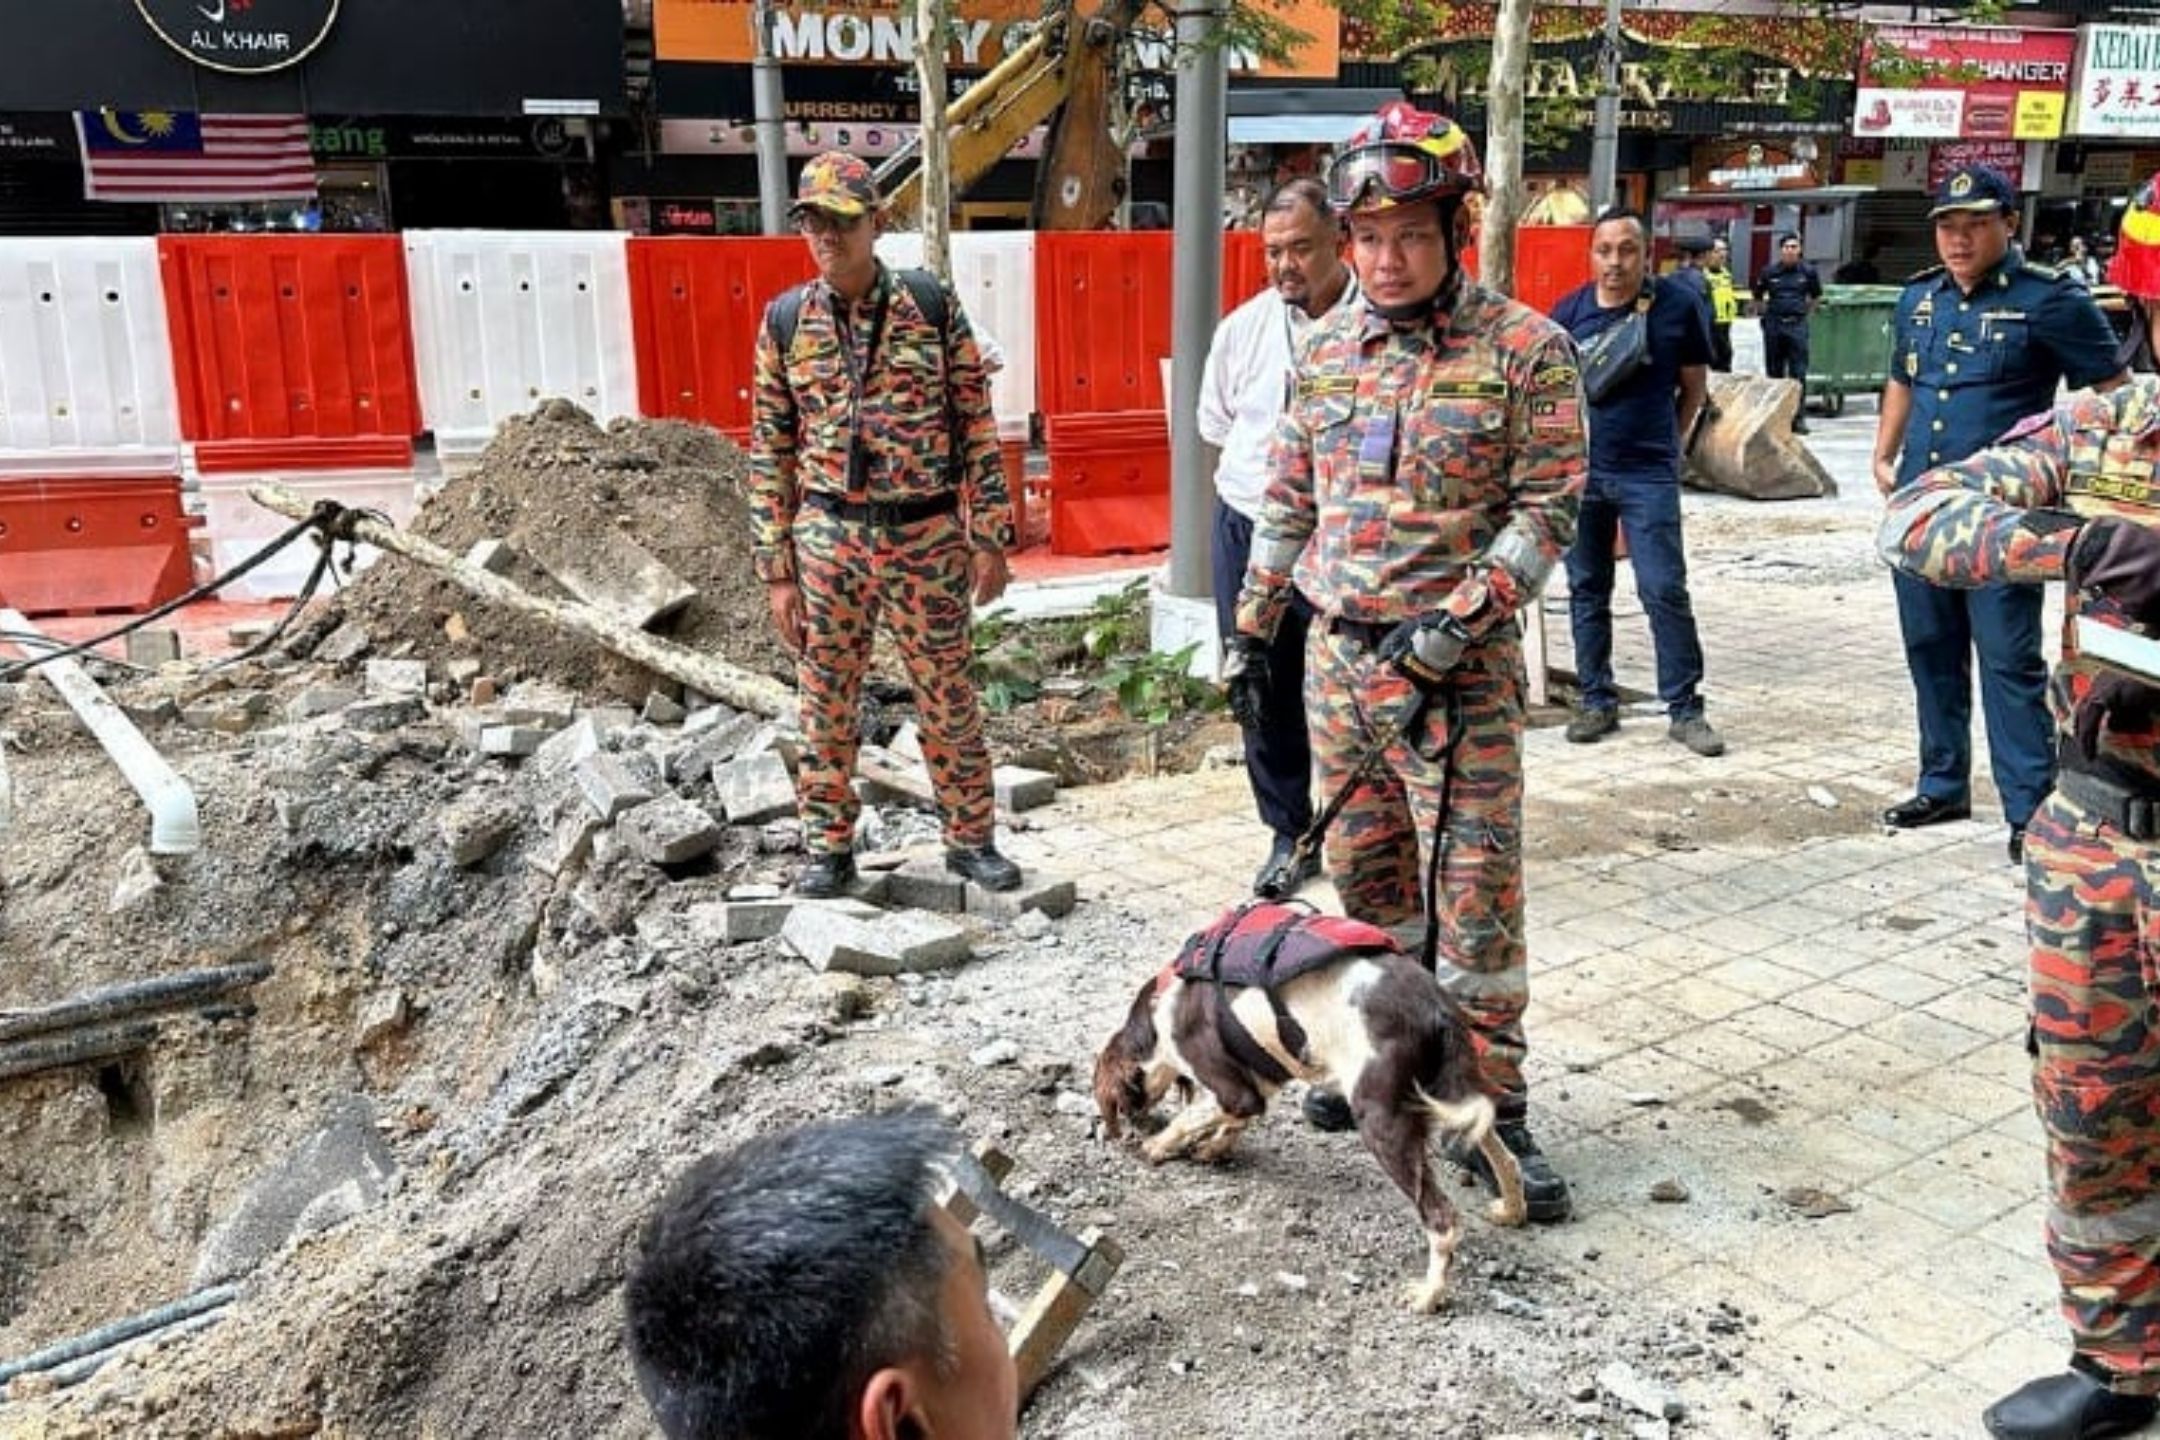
(807, 1286)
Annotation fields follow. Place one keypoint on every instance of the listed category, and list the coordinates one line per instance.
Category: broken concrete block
(1747, 447)
(742, 920)
(246, 634)
(755, 892)
(772, 739)
(343, 645)
(668, 831)
(708, 749)
(705, 717)
(1054, 895)
(377, 717)
(1031, 925)
(492, 555)
(662, 710)
(610, 571)
(568, 747)
(329, 1177)
(889, 944)
(512, 739)
(152, 648)
(906, 742)
(755, 789)
(139, 880)
(484, 690)
(320, 700)
(476, 826)
(1021, 789)
(396, 677)
(612, 720)
(462, 670)
(151, 709)
(383, 1017)
(569, 843)
(532, 703)
(609, 786)
(928, 885)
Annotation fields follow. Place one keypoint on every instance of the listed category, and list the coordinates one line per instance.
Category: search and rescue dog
(1272, 993)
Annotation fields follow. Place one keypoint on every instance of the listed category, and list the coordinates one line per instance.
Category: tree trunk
(930, 32)
(1504, 146)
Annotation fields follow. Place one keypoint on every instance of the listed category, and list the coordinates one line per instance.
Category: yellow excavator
(1068, 74)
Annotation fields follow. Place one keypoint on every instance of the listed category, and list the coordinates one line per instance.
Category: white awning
(1307, 129)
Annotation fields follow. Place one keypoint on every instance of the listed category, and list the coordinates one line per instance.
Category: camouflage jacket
(1420, 467)
(1970, 523)
(804, 419)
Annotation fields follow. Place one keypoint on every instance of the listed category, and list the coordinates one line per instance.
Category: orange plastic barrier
(1244, 268)
(278, 338)
(89, 545)
(1109, 482)
(1550, 260)
(695, 305)
(1102, 320)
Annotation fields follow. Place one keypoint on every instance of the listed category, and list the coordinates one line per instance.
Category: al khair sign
(1956, 82)
(2118, 81)
(244, 37)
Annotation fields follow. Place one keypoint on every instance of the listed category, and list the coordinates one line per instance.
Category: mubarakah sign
(247, 37)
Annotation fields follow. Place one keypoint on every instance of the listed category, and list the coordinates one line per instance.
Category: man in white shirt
(1242, 394)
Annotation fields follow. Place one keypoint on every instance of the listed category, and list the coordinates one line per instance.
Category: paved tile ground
(1816, 1002)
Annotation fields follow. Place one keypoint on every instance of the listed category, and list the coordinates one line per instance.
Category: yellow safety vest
(1724, 303)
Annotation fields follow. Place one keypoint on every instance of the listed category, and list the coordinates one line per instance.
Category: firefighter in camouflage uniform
(1425, 480)
(877, 492)
(2073, 494)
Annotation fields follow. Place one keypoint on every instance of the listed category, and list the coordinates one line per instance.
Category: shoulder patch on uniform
(1930, 273)
(1319, 387)
(1554, 377)
(1556, 412)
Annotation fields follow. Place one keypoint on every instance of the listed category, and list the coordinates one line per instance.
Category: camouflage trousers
(1380, 844)
(915, 578)
(2092, 910)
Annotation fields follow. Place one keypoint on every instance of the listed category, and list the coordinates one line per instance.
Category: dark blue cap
(1976, 188)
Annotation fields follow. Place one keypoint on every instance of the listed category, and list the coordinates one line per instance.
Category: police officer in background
(1788, 293)
(1724, 304)
(1243, 390)
(1979, 343)
(1425, 480)
(2071, 494)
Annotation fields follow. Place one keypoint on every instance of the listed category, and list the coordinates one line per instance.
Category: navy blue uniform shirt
(1785, 291)
(1635, 430)
(1977, 364)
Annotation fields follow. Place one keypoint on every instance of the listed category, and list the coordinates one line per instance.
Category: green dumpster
(1849, 343)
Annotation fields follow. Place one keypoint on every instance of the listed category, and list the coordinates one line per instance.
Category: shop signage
(35, 135)
(871, 141)
(548, 137)
(1964, 83)
(246, 37)
(1948, 156)
(2118, 81)
(1754, 166)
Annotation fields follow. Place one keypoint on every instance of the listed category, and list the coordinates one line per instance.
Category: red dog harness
(1263, 944)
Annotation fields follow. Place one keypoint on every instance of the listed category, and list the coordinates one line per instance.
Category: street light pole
(1605, 132)
(768, 111)
(1197, 158)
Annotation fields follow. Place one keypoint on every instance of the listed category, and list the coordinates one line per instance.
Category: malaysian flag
(172, 155)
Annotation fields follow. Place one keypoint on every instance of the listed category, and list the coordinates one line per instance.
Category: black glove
(2118, 702)
(2120, 559)
(1246, 676)
(1426, 649)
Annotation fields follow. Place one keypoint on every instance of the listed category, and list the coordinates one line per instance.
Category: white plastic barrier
(86, 378)
(505, 319)
(994, 275)
(238, 527)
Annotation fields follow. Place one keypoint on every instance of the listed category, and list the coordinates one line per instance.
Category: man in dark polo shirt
(1634, 488)
(1979, 342)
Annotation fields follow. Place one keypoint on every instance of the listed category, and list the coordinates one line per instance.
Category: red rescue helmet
(1401, 156)
(2136, 264)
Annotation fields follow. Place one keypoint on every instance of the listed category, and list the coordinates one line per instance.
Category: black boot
(2075, 1405)
(1326, 1110)
(1544, 1192)
(983, 865)
(1285, 872)
(829, 874)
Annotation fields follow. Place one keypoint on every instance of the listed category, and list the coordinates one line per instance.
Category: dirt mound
(675, 489)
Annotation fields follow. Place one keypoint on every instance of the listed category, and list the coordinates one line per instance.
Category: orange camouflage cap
(837, 183)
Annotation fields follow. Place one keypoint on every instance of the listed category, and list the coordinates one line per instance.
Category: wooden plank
(1059, 1307)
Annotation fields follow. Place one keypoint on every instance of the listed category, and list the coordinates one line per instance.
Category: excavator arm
(1068, 70)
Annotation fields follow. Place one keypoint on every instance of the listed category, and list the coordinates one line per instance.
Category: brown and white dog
(1372, 1024)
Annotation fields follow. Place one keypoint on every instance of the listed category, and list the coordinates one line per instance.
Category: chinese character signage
(1964, 83)
(2118, 81)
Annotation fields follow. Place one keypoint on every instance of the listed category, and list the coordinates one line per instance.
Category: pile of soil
(675, 489)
